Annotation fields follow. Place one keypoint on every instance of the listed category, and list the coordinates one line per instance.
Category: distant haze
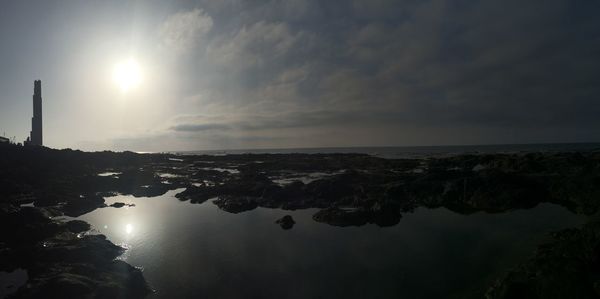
(301, 73)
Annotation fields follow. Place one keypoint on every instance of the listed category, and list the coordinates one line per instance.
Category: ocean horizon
(407, 152)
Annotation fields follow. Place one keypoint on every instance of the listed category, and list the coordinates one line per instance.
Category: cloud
(366, 70)
(182, 31)
(199, 127)
(258, 45)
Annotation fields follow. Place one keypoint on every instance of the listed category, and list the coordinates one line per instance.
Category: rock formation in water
(286, 222)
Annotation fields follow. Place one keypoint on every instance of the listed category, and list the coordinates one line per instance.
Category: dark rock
(156, 189)
(114, 279)
(94, 249)
(79, 205)
(77, 226)
(121, 204)
(26, 226)
(197, 194)
(236, 204)
(286, 222)
(247, 184)
(566, 267)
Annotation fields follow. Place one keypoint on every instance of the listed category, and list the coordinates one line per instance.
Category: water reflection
(200, 251)
(128, 228)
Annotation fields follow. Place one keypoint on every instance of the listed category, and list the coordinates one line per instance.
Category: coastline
(357, 189)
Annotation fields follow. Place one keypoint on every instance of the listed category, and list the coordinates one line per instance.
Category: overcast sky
(302, 73)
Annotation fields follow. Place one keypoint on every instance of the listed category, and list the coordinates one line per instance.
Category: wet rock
(286, 222)
(565, 267)
(93, 249)
(121, 204)
(210, 175)
(77, 226)
(115, 279)
(107, 193)
(236, 204)
(26, 226)
(153, 190)
(60, 264)
(332, 189)
(8, 208)
(288, 197)
(197, 194)
(247, 184)
(79, 205)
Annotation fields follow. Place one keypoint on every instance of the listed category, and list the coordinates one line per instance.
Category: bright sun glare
(128, 228)
(127, 75)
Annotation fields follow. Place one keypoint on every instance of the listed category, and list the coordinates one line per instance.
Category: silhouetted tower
(36, 120)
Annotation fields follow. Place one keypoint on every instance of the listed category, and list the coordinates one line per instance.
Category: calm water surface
(191, 250)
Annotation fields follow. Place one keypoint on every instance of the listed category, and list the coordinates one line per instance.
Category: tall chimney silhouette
(36, 121)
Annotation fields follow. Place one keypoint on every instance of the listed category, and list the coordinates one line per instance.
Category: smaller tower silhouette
(36, 120)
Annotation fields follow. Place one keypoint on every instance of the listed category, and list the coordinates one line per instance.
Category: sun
(127, 75)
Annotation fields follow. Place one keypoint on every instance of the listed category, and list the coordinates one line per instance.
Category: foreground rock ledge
(568, 266)
(61, 263)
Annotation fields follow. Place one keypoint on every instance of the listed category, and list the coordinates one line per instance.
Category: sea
(415, 152)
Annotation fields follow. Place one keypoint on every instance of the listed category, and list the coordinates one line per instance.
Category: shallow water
(305, 178)
(191, 250)
(109, 173)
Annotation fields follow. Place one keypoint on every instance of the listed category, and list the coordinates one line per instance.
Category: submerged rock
(286, 222)
(121, 204)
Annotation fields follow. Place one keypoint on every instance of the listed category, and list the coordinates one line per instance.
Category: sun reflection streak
(128, 228)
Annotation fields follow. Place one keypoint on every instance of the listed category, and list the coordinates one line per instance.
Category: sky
(242, 74)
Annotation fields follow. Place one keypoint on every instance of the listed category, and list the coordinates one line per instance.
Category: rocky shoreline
(349, 189)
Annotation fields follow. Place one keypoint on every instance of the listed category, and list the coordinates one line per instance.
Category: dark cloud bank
(504, 71)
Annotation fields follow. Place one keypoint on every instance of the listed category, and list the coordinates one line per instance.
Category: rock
(236, 204)
(565, 267)
(121, 204)
(152, 190)
(93, 249)
(286, 222)
(77, 226)
(115, 279)
(197, 194)
(26, 226)
(117, 205)
(79, 205)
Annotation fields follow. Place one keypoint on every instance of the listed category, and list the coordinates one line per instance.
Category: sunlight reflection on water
(191, 250)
